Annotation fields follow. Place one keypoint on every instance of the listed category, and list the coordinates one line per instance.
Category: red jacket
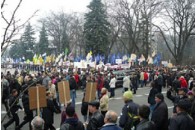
(145, 76)
(183, 83)
(76, 76)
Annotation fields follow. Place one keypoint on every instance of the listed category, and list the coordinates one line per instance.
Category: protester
(48, 112)
(45, 80)
(52, 88)
(37, 123)
(129, 109)
(84, 108)
(73, 87)
(6, 91)
(145, 123)
(112, 86)
(160, 113)
(182, 121)
(110, 121)
(28, 113)
(100, 83)
(13, 103)
(151, 97)
(64, 115)
(71, 122)
(97, 120)
(126, 83)
(176, 99)
(104, 101)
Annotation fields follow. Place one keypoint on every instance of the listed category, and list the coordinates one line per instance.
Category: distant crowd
(97, 115)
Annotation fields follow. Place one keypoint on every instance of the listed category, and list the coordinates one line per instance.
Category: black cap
(94, 103)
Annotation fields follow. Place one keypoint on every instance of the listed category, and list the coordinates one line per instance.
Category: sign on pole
(90, 94)
(64, 92)
(37, 97)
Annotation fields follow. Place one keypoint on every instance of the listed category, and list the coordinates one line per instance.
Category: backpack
(132, 121)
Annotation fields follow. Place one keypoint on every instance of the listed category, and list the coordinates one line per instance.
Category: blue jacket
(110, 126)
(132, 108)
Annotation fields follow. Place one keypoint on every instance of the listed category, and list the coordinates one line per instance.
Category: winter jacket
(160, 116)
(72, 124)
(126, 82)
(72, 83)
(146, 125)
(182, 121)
(151, 97)
(48, 112)
(113, 82)
(96, 121)
(104, 102)
(110, 126)
(129, 105)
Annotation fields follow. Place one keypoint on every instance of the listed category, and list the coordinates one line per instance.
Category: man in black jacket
(145, 124)
(97, 119)
(160, 113)
(13, 103)
(176, 99)
(182, 121)
(28, 113)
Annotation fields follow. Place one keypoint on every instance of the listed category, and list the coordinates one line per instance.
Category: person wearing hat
(160, 113)
(176, 99)
(129, 108)
(97, 120)
(71, 122)
(182, 121)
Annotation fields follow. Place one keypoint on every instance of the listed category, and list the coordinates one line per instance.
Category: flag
(89, 56)
(150, 60)
(133, 57)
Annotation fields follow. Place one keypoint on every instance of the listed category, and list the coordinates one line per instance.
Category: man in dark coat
(110, 121)
(151, 97)
(13, 103)
(145, 124)
(176, 99)
(28, 113)
(48, 113)
(129, 107)
(183, 120)
(97, 120)
(160, 113)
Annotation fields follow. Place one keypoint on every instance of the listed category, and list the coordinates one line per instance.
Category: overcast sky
(28, 7)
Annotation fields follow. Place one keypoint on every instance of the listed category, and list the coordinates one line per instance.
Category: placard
(37, 97)
(64, 92)
(90, 94)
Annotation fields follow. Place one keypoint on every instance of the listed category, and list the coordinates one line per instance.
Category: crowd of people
(96, 114)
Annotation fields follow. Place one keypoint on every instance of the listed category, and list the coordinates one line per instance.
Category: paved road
(115, 104)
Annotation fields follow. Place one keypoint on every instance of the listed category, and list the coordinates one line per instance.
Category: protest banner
(37, 98)
(90, 94)
(64, 92)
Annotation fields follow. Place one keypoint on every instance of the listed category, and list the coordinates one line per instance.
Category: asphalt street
(115, 104)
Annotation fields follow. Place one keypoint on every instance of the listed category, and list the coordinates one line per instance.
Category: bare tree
(12, 25)
(180, 26)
